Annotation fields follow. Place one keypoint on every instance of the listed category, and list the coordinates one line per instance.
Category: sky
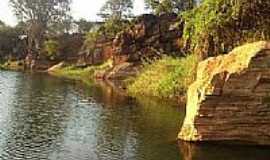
(86, 9)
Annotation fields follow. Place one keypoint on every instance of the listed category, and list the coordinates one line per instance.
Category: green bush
(51, 47)
(166, 77)
(217, 26)
(91, 39)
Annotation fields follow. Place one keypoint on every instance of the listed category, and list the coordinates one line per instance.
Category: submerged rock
(230, 99)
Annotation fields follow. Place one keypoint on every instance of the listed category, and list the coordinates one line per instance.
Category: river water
(48, 118)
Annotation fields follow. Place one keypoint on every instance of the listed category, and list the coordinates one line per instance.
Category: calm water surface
(47, 118)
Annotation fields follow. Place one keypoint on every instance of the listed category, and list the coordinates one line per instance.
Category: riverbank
(85, 74)
(166, 78)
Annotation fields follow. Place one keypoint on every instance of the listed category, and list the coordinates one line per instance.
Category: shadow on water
(139, 129)
(222, 151)
(43, 117)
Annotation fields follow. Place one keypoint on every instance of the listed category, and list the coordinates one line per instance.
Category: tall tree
(117, 9)
(116, 14)
(40, 15)
(167, 6)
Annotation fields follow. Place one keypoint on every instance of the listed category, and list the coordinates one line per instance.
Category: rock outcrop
(119, 72)
(230, 99)
(150, 36)
(56, 67)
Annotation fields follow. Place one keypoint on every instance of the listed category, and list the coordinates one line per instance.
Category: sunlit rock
(57, 66)
(230, 99)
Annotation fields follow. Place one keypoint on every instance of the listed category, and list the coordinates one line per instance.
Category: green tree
(40, 15)
(90, 43)
(116, 14)
(168, 6)
(112, 27)
(117, 9)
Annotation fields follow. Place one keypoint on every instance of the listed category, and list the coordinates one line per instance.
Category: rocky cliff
(149, 37)
(230, 100)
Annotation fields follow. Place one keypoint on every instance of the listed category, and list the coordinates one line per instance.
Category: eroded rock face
(230, 100)
(150, 36)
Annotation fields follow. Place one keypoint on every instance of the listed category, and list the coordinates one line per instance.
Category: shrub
(51, 47)
(166, 77)
(91, 40)
(217, 26)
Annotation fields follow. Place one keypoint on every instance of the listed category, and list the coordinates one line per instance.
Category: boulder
(124, 71)
(121, 71)
(230, 99)
(56, 67)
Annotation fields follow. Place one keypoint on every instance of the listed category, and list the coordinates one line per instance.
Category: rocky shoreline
(230, 98)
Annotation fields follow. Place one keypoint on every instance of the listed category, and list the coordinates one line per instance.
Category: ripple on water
(46, 118)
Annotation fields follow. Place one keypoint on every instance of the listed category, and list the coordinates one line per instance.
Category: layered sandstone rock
(230, 100)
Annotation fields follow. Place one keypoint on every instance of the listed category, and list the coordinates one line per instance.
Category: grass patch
(167, 77)
(84, 74)
(12, 65)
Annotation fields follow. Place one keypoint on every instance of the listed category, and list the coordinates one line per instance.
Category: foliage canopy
(40, 15)
(117, 9)
(217, 26)
(169, 6)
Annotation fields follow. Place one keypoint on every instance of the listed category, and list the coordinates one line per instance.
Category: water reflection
(49, 118)
(43, 117)
(35, 120)
(129, 129)
(222, 151)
